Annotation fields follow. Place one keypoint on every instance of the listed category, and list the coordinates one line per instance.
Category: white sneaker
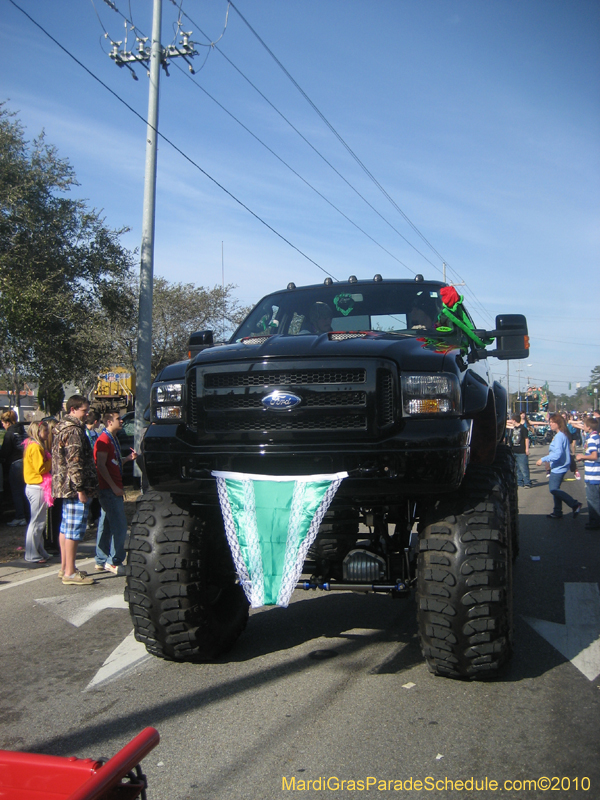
(16, 522)
(114, 569)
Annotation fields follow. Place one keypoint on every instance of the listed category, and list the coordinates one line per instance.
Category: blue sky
(481, 120)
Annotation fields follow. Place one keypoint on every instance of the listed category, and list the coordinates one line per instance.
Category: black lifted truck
(387, 380)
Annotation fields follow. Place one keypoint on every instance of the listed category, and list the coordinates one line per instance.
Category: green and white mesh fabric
(270, 523)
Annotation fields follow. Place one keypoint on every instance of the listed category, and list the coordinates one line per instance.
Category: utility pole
(223, 287)
(152, 58)
(144, 347)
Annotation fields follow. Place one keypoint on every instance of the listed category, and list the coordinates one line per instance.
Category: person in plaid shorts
(74, 480)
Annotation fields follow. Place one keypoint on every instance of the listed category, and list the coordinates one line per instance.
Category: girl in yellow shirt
(36, 463)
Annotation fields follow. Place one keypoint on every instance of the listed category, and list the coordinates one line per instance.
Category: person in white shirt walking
(592, 472)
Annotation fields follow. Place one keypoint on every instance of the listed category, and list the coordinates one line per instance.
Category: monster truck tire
(464, 579)
(506, 463)
(181, 585)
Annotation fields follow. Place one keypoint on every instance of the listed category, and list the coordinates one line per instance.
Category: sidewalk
(19, 570)
(13, 566)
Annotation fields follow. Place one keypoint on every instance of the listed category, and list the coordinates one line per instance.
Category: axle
(395, 589)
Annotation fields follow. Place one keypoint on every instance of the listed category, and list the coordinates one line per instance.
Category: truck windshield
(407, 308)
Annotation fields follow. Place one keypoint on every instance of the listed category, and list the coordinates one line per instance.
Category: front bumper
(427, 457)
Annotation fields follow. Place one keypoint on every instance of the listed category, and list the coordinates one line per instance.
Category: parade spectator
(11, 457)
(74, 480)
(574, 433)
(518, 440)
(92, 431)
(592, 473)
(559, 461)
(54, 511)
(91, 426)
(112, 528)
(524, 420)
(36, 466)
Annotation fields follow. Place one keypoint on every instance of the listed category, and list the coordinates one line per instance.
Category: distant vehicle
(115, 390)
(526, 403)
(537, 417)
(539, 432)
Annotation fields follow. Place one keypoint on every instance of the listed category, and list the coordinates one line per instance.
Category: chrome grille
(232, 402)
(192, 404)
(385, 397)
(286, 422)
(335, 397)
(229, 380)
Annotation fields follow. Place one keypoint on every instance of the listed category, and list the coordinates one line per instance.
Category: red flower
(450, 297)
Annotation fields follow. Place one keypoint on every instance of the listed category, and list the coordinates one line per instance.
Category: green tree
(178, 309)
(594, 384)
(62, 270)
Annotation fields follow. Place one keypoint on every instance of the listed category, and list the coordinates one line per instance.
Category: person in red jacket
(112, 527)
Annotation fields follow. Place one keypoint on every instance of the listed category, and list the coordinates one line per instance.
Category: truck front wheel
(464, 581)
(184, 600)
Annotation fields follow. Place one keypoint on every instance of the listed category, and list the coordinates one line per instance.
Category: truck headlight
(438, 393)
(166, 402)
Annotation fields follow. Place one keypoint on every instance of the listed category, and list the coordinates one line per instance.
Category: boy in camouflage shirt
(74, 479)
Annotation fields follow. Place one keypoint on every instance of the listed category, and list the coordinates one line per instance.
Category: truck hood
(409, 352)
(173, 372)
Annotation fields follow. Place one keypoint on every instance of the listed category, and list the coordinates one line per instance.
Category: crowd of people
(64, 475)
(568, 431)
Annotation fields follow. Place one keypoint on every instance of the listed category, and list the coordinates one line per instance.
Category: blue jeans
(112, 529)
(523, 478)
(554, 481)
(592, 495)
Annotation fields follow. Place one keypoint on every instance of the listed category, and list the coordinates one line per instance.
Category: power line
(309, 143)
(475, 300)
(468, 291)
(279, 158)
(357, 159)
(212, 44)
(245, 127)
(169, 142)
(297, 174)
(129, 19)
(335, 133)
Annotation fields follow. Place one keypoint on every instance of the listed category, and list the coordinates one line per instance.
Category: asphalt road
(334, 687)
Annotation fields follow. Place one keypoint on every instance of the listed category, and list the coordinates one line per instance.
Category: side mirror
(512, 338)
(199, 340)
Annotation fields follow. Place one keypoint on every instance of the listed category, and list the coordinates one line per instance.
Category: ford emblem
(281, 401)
